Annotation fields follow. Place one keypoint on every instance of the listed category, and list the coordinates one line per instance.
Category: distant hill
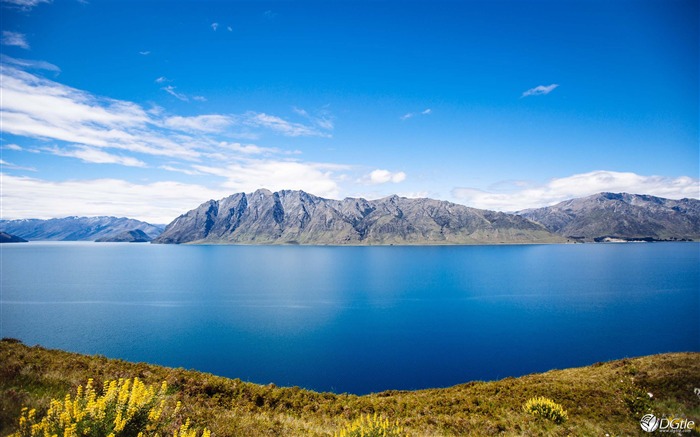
(609, 216)
(9, 238)
(296, 217)
(135, 236)
(76, 228)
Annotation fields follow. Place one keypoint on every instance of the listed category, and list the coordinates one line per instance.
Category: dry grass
(606, 398)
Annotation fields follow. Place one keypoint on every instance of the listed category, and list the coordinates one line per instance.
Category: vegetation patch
(371, 426)
(606, 398)
(125, 408)
(546, 408)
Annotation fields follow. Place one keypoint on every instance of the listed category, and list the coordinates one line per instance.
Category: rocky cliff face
(296, 217)
(76, 228)
(622, 216)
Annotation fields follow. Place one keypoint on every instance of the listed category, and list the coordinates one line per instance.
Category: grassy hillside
(605, 398)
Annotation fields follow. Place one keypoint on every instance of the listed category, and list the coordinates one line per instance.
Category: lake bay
(355, 319)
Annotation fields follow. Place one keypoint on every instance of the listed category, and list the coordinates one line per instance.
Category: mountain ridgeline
(626, 217)
(77, 228)
(296, 217)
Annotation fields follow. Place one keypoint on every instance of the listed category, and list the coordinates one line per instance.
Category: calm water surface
(355, 319)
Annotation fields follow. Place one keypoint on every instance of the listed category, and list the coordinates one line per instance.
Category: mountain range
(627, 217)
(296, 217)
(77, 228)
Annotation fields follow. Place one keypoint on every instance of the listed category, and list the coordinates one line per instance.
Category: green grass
(605, 398)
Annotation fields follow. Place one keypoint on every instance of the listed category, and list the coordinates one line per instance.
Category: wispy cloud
(214, 26)
(322, 118)
(96, 156)
(380, 176)
(15, 39)
(10, 166)
(23, 4)
(40, 108)
(200, 123)
(162, 79)
(28, 64)
(408, 115)
(145, 53)
(540, 90)
(171, 90)
(180, 170)
(579, 185)
(199, 98)
(229, 28)
(249, 149)
(282, 126)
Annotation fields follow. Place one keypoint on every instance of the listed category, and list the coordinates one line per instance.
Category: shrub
(546, 408)
(126, 408)
(371, 426)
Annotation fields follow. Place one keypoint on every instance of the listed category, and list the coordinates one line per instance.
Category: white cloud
(96, 156)
(158, 202)
(248, 149)
(14, 39)
(250, 175)
(214, 26)
(229, 28)
(39, 108)
(171, 90)
(199, 98)
(540, 90)
(24, 4)
(180, 170)
(200, 123)
(145, 53)
(162, 79)
(12, 147)
(580, 185)
(379, 176)
(427, 111)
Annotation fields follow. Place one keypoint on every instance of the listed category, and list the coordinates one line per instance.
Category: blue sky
(148, 108)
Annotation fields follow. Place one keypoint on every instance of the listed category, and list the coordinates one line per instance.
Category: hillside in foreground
(605, 398)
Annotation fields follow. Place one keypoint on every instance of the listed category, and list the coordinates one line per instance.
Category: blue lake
(355, 319)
